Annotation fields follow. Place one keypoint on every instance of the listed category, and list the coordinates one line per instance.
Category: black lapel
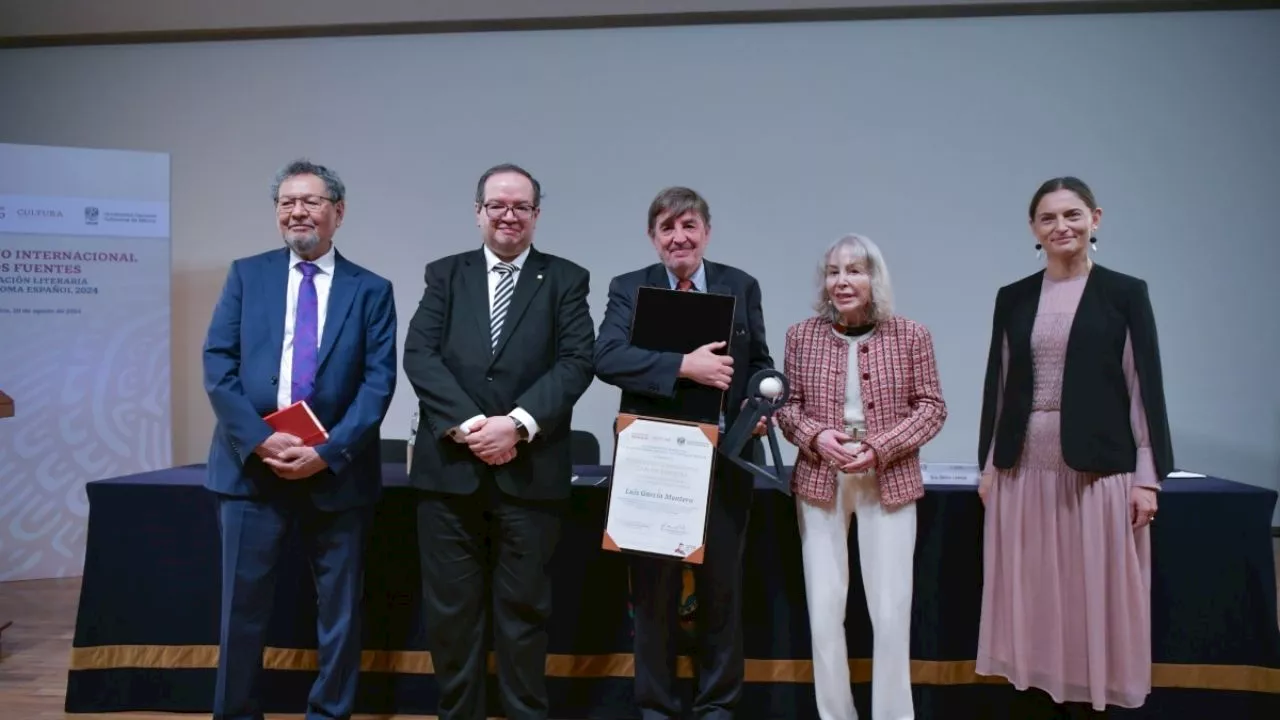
(473, 287)
(1091, 310)
(341, 292)
(711, 272)
(657, 277)
(530, 282)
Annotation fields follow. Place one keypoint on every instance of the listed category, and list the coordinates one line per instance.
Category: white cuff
(525, 419)
(460, 432)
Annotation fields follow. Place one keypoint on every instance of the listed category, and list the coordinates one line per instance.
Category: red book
(299, 421)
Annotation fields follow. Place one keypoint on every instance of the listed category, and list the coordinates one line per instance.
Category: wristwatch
(521, 430)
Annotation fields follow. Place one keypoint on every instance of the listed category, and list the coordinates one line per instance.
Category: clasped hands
(832, 445)
(493, 439)
(707, 367)
(289, 458)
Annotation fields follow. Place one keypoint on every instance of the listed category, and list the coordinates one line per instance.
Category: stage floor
(37, 650)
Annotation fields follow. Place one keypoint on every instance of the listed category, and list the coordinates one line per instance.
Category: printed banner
(84, 341)
(83, 216)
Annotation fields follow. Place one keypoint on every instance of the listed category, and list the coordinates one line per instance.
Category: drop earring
(1093, 244)
(1039, 251)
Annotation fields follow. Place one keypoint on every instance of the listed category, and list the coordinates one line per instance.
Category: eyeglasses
(312, 203)
(496, 210)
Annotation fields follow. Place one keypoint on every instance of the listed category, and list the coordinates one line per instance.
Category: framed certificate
(661, 487)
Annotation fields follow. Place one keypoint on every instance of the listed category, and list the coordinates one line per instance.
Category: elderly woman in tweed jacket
(864, 398)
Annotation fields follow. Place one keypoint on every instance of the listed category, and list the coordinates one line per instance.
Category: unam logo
(91, 216)
(1, 212)
(680, 441)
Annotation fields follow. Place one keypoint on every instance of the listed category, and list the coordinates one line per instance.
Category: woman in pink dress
(1074, 442)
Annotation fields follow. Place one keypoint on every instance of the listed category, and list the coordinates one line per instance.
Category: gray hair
(302, 166)
(868, 252)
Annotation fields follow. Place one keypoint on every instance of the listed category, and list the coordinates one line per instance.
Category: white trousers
(886, 551)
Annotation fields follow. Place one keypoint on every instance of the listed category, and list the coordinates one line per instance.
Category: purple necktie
(306, 328)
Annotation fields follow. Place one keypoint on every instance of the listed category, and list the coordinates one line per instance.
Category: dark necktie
(306, 330)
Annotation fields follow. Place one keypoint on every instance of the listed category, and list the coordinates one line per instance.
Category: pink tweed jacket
(901, 400)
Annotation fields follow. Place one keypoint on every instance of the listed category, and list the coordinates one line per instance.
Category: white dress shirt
(491, 261)
(323, 280)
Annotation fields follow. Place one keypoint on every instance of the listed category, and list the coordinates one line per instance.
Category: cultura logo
(39, 212)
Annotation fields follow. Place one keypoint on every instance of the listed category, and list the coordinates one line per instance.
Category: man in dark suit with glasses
(498, 353)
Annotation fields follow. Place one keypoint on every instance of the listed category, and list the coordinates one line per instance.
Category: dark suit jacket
(646, 372)
(355, 379)
(542, 364)
(1096, 433)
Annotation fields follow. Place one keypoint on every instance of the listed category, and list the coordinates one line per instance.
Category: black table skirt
(146, 633)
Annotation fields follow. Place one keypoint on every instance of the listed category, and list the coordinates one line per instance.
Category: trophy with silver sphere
(767, 391)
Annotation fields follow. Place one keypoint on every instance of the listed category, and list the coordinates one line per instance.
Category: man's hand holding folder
(290, 450)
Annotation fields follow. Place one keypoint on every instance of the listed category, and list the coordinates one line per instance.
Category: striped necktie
(501, 299)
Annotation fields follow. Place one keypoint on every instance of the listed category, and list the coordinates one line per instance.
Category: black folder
(681, 321)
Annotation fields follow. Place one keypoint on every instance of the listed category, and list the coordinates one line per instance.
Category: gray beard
(302, 245)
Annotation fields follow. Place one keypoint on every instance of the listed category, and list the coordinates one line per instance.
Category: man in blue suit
(680, 227)
(297, 323)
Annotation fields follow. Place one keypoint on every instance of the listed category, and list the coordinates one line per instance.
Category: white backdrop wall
(927, 135)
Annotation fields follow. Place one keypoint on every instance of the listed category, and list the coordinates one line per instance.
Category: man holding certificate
(660, 383)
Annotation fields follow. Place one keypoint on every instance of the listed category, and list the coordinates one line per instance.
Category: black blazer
(1096, 433)
(542, 364)
(654, 374)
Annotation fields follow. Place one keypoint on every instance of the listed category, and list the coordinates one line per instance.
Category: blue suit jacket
(355, 379)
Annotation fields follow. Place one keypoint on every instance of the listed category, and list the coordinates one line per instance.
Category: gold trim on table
(1246, 678)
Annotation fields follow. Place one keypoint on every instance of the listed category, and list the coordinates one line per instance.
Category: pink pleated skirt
(1066, 599)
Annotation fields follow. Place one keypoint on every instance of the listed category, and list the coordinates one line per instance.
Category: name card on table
(951, 474)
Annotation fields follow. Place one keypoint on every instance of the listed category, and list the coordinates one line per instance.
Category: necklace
(853, 330)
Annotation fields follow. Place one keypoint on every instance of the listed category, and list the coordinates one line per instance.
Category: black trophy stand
(759, 406)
